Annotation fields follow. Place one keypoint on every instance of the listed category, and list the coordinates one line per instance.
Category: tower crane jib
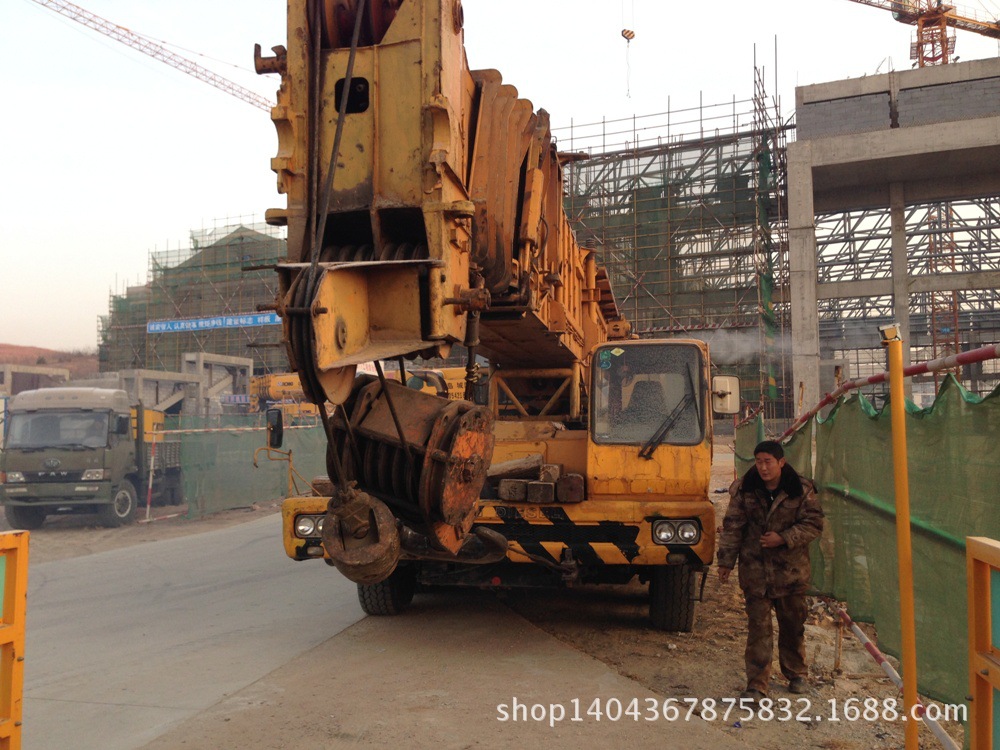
(154, 50)
(934, 44)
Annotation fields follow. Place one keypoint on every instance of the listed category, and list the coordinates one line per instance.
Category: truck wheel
(121, 510)
(20, 517)
(671, 598)
(391, 596)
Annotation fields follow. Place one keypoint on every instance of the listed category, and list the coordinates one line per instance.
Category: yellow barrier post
(904, 546)
(983, 580)
(14, 562)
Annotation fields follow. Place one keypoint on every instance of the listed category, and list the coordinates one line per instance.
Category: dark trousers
(791, 614)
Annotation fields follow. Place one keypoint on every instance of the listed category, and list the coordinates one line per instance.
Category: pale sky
(109, 154)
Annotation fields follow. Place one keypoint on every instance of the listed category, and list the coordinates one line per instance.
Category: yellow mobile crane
(424, 209)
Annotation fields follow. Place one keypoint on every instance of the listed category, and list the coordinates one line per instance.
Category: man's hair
(772, 447)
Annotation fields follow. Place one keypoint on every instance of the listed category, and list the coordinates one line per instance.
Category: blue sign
(248, 320)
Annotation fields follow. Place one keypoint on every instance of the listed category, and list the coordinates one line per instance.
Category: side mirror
(725, 394)
(275, 428)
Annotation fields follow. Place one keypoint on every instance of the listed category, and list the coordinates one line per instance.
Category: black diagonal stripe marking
(561, 528)
(587, 555)
(616, 528)
(513, 521)
(557, 515)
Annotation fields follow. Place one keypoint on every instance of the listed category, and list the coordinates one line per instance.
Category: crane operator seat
(646, 404)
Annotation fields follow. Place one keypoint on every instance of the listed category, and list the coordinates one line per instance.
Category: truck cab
(644, 465)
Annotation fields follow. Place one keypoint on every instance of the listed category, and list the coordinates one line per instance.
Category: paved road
(459, 670)
(125, 645)
(216, 641)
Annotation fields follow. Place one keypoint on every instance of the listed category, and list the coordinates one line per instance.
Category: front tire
(671, 598)
(121, 510)
(391, 596)
(20, 517)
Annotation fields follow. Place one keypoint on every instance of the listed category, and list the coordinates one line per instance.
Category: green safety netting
(953, 460)
(748, 435)
(217, 461)
(798, 448)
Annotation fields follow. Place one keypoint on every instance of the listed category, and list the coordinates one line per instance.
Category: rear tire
(671, 598)
(391, 596)
(121, 510)
(20, 517)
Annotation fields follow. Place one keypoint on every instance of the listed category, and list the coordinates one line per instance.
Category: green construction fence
(953, 450)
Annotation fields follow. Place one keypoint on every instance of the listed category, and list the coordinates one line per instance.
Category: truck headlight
(308, 526)
(676, 531)
(305, 526)
(688, 532)
(11, 477)
(664, 532)
(94, 475)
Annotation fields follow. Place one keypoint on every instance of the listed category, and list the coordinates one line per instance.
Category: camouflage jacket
(795, 514)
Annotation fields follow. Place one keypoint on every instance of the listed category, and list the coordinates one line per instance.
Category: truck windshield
(58, 429)
(648, 392)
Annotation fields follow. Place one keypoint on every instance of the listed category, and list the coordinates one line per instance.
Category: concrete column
(802, 275)
(900, 275)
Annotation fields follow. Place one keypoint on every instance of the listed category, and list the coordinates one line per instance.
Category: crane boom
(910, 11)
(154, 50)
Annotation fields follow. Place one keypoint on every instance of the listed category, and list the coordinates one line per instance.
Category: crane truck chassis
(424, 209)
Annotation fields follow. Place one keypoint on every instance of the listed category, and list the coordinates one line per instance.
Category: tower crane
(935, 43)
(154, 50)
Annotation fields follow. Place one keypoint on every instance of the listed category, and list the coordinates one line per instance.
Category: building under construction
(207, 297)
(689, 210)
(893, 216)
(692, 212)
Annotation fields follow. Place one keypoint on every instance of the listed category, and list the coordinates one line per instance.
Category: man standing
(773, 516)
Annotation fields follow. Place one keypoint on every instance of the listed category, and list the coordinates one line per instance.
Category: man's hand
(771, 539)
(724, 573)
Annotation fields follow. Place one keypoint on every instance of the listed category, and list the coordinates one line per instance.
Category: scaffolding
(205, 297)
(687, 211)
(957, 237)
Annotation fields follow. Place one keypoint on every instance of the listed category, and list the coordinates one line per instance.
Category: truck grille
(53, 476)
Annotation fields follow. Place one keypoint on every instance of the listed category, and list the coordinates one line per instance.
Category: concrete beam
(852, 289)
(943, 282)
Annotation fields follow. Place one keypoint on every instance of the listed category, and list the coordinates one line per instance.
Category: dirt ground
(610, 624)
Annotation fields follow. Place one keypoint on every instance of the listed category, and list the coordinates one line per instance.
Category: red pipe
(933, 365)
